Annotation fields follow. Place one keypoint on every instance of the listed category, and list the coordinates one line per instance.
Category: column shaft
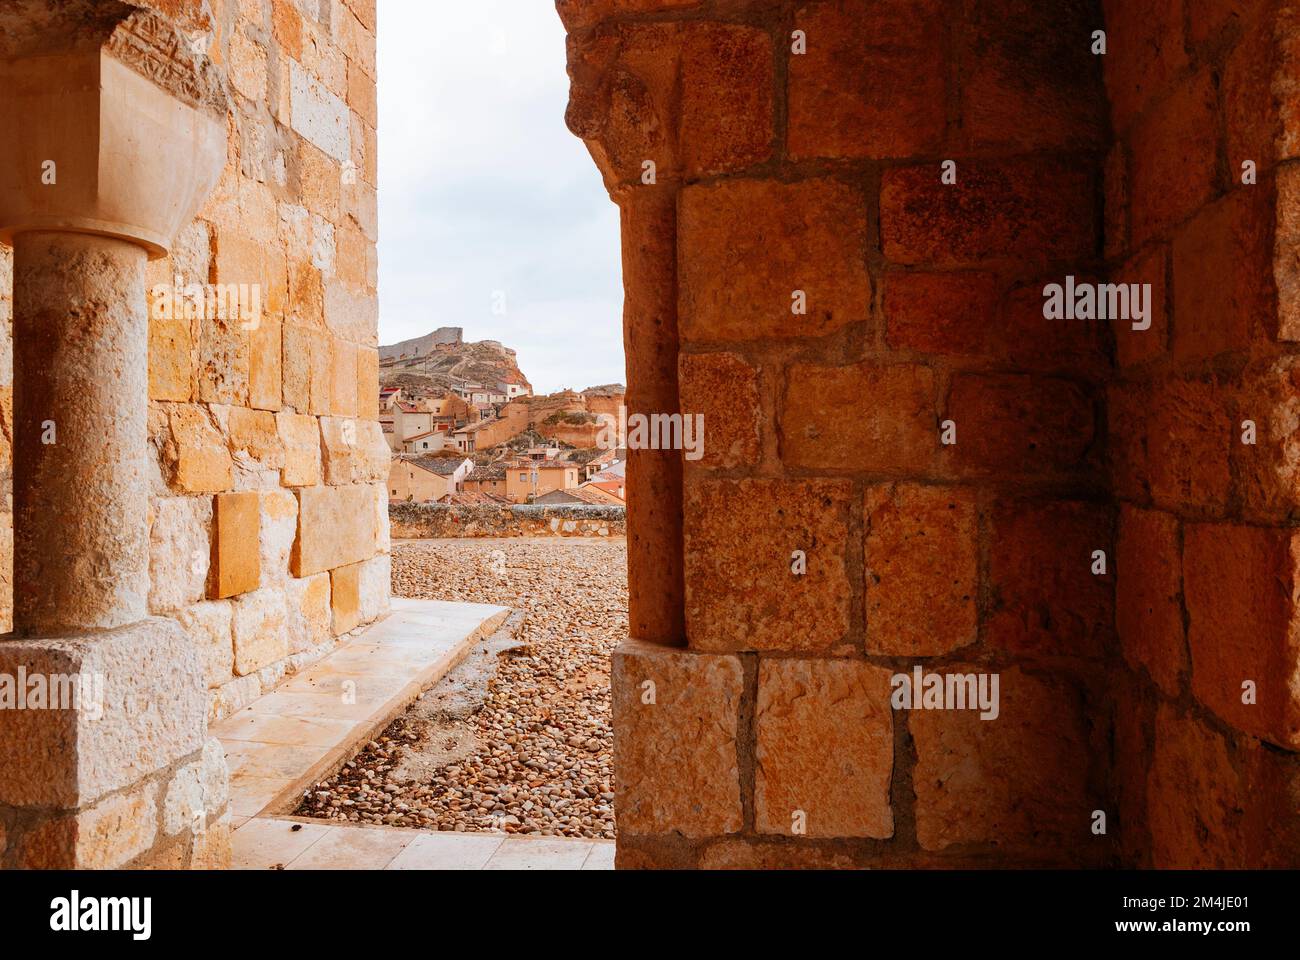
(81, 340)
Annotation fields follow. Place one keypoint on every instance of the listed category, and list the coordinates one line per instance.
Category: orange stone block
(922, 569)
(236, 565)
(345, 597)
(824, 749)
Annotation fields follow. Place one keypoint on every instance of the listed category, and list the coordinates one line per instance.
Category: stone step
(292, 843)
(314, 722)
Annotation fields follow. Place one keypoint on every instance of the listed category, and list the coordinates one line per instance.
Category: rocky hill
(435, 363)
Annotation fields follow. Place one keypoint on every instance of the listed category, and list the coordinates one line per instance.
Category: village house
(488, 479)
(426, 479)
(528, 480)
(430, 441)
(584, 494)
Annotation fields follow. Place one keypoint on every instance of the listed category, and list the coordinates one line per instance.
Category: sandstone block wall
(970, 488)
(263, 430)
(1205, 512)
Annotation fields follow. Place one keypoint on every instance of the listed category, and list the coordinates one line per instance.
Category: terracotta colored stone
(740, 537)
(345, 597)
(868, 86)
(726, 97)
(723, 389)
(235, 565)
(1075, 348)
(944, 313)
(1133, 347)
(824, 749)
(1018, 781)
(1046, 599)
(1148, 596)
(1009, 209)
(868, 416)
(1220, 295)
(1144, 54)
(747, 245)
(578, 14)
(1014, 424)
(676, 711)
(922, 569)
(1286, 262)
(754, 854)
(1023, 58)
(1240, 584)
(1198, 802)
(1253, 122)
(1173, 158)
(1187, 433)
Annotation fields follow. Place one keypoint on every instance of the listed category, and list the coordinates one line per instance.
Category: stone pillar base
(104, 760)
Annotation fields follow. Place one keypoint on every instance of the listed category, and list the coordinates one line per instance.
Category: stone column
(81, 546)
(114, 130)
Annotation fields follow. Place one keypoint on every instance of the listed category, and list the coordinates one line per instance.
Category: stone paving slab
(291, 843)
(311, 724)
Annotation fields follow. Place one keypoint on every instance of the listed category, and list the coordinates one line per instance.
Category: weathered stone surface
(277, 530)
(1200, 806)
(828, 421)
(1023, 208)
(676, 711)
(143, 710)
(1240, 585)
(318, 115)
(741, 589)
(374, 585)
(345, 597)
(309, 614)
(195, 451)
(746, 246)
(197, 792)
(254, 441)
(723, 389)
(208, 625)
(1047, 599)
(336, 526)
(259, 629)
(922, 569)
(343, 383)
(1148, 598)
(300, 436)
(108, 835)
(825, 749)
(1019, 780)
(180, 547)
(308, 369)
(868, 86)
(236, 563)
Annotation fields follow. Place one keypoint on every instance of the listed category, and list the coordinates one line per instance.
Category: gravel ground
(517, 738)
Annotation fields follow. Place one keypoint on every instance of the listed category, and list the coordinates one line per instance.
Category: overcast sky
(483, 189)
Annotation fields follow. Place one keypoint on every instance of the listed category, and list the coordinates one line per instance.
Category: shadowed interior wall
(939, 454)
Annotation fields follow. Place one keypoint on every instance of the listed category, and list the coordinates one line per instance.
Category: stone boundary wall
(438, 520)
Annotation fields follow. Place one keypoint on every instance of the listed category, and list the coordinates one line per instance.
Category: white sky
(482, 188)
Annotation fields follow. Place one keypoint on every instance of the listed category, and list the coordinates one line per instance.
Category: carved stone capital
(119, 131)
